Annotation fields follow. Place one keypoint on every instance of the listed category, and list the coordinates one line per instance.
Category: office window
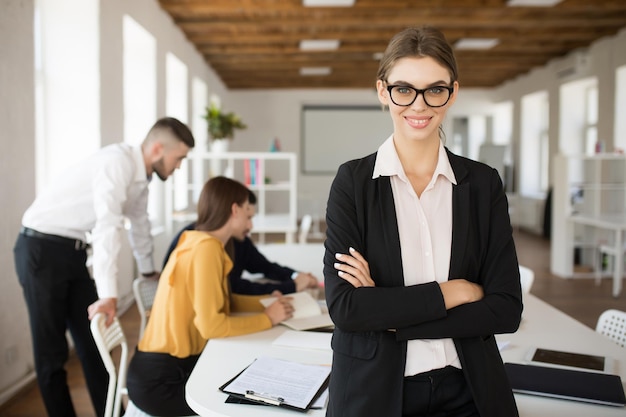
(140, 89)
(140, 82)
(502, 132)
(199, 97)
(176, 106)
(534, 144)
(176, 88)
(67, 90)
(591, 121)
(578, 116)
(503, 123)
(619, 143)
(477, 134)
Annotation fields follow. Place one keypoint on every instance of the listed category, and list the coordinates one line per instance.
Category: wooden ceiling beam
(366, 52)
(444, 23)
(382, 37)
(190, 10)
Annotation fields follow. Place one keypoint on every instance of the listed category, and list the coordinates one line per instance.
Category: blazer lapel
(391, 235)
(460, 217)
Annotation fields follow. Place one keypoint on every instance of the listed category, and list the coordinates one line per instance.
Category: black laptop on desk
(566, 384)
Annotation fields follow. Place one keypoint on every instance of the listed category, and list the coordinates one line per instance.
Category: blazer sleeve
(491, 262)
(356, 217)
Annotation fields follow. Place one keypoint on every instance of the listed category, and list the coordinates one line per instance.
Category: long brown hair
(216, 201)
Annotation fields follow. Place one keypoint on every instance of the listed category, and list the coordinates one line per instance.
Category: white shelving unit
(589, 197)
(275, 186)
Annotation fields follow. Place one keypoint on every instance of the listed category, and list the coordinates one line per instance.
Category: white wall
(17, 161)
(17, 187)
(600, 60)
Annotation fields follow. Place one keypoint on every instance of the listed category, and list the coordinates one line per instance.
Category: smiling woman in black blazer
(420, 266)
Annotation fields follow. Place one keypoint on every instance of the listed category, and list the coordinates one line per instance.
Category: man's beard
(159, 168)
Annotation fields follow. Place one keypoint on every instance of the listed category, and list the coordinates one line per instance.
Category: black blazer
(373, 324)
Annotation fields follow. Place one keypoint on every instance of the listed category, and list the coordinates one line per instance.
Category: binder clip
(264, 398)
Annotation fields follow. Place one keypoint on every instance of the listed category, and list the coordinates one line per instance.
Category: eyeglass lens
(405, 95)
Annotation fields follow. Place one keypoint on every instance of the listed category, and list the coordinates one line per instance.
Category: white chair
(527, 277)
(108, 339)
(612, 324)
(305, 226)
(144, 290)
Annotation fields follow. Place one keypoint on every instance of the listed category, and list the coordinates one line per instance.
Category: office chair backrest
(144, 290)
(612, 324)
(305, 226)
(107, 339)
(527, 277)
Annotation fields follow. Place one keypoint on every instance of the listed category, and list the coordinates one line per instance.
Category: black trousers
(156, 383)
(58, 289)
(438, 393)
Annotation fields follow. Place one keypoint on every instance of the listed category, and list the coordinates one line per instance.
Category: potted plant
(221, 125)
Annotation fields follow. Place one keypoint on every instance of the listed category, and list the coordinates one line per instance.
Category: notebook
(592, 387)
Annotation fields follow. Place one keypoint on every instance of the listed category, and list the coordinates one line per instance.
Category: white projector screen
(332, 135)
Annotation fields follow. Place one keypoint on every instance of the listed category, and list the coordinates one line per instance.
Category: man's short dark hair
(178, 128)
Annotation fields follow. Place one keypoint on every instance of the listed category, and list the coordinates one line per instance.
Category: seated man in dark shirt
(248, 258)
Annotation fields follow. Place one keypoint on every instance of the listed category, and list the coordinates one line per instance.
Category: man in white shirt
(94, 197)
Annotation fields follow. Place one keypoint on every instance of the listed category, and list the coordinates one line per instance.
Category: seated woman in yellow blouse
(193, 302)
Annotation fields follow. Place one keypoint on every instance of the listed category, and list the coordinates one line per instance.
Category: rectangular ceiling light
(476, 43)
(328, 3)
(532, 3)
(319, 44)
(308, 71)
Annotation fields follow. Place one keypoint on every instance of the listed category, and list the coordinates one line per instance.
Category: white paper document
(304, 340)
(307, 314)
(283, 383)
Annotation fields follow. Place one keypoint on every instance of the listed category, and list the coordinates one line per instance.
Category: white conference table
(542, 325)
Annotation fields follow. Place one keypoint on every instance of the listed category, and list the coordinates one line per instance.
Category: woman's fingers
(354, 269)
(360, 258)
(356, 282)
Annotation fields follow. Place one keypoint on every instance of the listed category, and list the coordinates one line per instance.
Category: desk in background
(616, 224)
(542, 325)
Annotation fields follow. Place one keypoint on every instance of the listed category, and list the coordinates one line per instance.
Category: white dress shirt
(95, 196)
(425, 227)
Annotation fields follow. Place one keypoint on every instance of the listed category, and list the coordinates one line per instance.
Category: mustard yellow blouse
(193, 302)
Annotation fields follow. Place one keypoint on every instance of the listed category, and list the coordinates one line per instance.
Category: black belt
(77, 244)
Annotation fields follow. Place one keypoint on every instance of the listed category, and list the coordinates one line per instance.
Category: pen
(264, 397)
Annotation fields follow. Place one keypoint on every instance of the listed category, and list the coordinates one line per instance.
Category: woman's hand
(354, 269)
(460, 291)
(305, 280)
(280, 310)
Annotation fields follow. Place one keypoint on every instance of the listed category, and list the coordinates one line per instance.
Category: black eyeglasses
(404, 95)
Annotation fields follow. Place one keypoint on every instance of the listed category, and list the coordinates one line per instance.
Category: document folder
(592, 387)
(280, 383)
(308, 314)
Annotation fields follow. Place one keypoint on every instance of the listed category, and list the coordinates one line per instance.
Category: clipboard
(282, 391)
